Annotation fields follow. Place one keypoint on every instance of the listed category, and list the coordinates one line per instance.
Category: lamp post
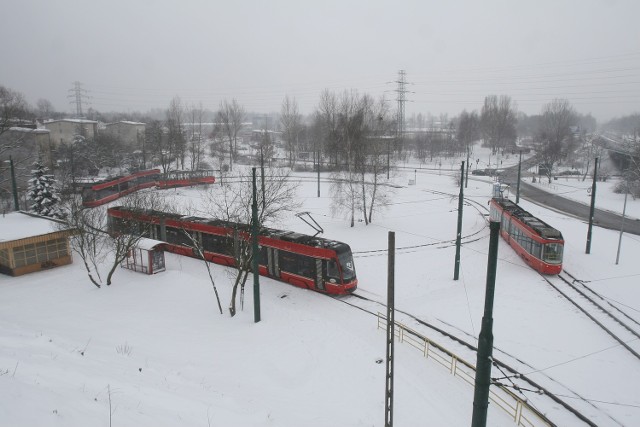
(14, 185)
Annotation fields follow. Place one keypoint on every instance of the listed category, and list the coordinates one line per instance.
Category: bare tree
(498, 120)
(291, 120)
(231, 201)
(326, 123)
(44, 109)
(88, 239)
(231, 116)
(380, 126)
(555, 133)
(217, 148)
(196, 139)
(176, 145)
(468, 128)
(13, 108)
(157, 143)
(95, 246)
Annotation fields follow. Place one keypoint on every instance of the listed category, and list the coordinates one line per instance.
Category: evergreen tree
(42, 192)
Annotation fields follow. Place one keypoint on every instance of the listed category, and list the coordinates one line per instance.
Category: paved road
(601, 217)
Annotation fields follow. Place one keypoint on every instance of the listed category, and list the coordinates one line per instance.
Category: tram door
(272, 262)
(319, 281)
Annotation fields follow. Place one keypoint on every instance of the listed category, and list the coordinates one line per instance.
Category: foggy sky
(135, 55)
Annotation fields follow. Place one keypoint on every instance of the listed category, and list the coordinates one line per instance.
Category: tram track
(519, 381)
(621, 330)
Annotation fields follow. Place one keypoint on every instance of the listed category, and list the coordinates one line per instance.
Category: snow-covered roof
(21, 225)
(125, 122)
(28, 130)
(148, 244)
(71, 121)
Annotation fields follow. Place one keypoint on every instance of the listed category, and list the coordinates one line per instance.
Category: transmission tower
(401, 98)
(76, 94)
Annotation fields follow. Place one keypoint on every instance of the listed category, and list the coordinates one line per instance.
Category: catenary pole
(456, 270)
(624, 211)
(485, 341)
(14, 185)
(255, 252)
(593, 206)
(388, 395)
(518, 182)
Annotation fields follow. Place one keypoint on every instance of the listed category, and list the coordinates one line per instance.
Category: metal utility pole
(624, 211)
(265, 141)
(466, 182)
(262, 178)
(518, 182)
(14, 185)
(485, 340)
(388, 155)
(317, 154)
(388, 395)
(593, 206)
(456, 271)
(255, 252)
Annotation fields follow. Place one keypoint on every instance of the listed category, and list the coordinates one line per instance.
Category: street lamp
(14, 185)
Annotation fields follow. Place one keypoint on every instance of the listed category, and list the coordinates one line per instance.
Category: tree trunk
(364, 201)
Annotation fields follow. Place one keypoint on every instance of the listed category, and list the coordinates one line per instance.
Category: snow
(19, 225)
(157, 347)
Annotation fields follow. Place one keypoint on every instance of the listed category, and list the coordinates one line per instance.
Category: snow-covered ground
(154, 350)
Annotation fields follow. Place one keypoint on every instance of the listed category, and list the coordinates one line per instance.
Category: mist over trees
(352, 135)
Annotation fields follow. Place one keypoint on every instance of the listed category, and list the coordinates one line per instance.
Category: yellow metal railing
(523, 414)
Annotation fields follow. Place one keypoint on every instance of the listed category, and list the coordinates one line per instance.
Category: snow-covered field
(154, 350)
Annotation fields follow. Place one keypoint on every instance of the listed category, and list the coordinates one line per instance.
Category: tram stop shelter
(146, 257)
(30, 242)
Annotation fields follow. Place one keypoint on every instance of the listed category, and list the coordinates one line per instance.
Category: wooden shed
(30, 242)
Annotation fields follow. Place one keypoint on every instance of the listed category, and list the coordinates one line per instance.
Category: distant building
(31, 243)
(131, 134)
(24, 145)
(63, 130)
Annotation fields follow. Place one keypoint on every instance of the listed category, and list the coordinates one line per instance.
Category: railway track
(613, 321)
(516, 380)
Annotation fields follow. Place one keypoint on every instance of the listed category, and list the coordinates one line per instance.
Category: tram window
(553, 253)
(177, 236)
(217, 244)
(332, 270)
(535, 249)
(348, 269)
(297, 264)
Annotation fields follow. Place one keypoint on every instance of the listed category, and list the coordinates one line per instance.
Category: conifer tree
(42, 192)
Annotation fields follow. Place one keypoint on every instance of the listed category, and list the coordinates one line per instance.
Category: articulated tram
(111, 189)
(539, 244)
(306, 261)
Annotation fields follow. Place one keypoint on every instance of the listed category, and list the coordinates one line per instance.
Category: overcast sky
(135, 55)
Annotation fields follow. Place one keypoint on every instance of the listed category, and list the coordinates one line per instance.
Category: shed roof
(22, 225)
(148, 244)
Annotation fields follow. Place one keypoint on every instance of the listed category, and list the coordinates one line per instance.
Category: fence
(523, 414)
